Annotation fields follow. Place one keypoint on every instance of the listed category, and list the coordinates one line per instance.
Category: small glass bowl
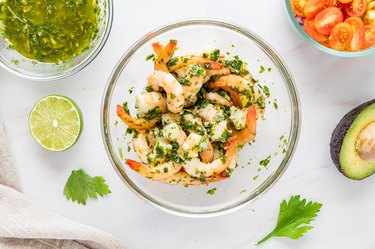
(276, 135)
(316, 44)
(24, 67)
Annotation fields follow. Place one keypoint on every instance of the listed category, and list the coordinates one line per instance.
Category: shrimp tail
(138, 167)
(137, 124)
(207, 155)
(163, 55)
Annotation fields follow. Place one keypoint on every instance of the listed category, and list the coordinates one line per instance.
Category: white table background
(328, 87)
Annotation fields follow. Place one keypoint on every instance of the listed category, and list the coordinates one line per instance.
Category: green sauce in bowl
(51, 31)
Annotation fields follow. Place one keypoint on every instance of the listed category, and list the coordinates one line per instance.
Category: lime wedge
(56, 122)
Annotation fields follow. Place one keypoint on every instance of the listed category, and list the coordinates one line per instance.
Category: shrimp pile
(193, 116)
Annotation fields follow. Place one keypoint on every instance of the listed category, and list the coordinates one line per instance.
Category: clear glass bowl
(327, 50)
(250, 179)
(19, 65)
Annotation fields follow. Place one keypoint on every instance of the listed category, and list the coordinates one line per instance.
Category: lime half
(56, 122)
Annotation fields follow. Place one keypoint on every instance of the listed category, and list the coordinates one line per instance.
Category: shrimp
(174, 90)
(157, 173)
(216, 98)
(233, 84)
(174, 132)
(148, 101)
(194, 144)
(248, 133)
(168, 118)
(196, 168)
(192, 79)
(137, 124)
(194, 125)
(141, 146)
(207, 155)
(186, 180)
(163, 55)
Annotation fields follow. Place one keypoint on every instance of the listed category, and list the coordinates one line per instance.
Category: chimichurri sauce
(50, 31)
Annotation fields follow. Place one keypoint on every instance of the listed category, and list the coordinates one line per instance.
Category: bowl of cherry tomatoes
(338, 27)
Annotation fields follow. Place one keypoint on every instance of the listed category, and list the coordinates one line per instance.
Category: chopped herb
(150, 57)
(243, 191)
(184, 82)
(269, 69)
(211, 191)
(262, 69)
(261, 102)
(265, 161)
(275, 105)
(126, 108)
(153, 114)
(131, 89)
(255, 177)
(149, 89)
(266, 90)
(172, 41)
(214, 55)
(172, 62)
(197, 70)
(120, 153)
(116, 122)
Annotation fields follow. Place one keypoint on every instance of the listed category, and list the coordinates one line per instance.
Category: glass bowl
(316, 44)
(24, 67)
(276, 135)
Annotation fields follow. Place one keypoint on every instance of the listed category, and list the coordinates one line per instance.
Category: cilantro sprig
(80, 186)
(294, 217)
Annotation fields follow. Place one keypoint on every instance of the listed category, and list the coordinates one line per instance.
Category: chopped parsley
(214, 55)
(126, 108)
(211, 191)
(172, 62)
(149, 89)
(265, 161)
(150, 57)
(197, 70)
(262, 69)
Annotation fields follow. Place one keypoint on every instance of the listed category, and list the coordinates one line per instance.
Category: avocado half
(353, 142)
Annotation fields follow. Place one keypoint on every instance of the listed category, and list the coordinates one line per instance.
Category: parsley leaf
(293, 215)
(80, 186)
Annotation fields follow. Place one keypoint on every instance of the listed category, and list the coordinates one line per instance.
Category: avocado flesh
(346, 149)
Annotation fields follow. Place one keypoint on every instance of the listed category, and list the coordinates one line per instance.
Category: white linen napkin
(25, 224)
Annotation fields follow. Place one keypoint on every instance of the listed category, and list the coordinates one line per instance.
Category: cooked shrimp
(168, 118)
(194, 144)
(233, 84)
(160, 172)
(148, 101)
(174, 132)
(196, 168)
(174, 90)
(192, 79)
(216, 98)
(211, 114)
(207, 155)
(248, 133)
(163, 55)
(141, 146)
(187, 180)
(138, 124)
(194, 125)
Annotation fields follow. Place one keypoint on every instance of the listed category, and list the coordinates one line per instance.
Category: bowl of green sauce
(52, 39)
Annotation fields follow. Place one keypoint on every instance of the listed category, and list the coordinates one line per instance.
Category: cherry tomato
(341, 36)
(297, 7)
(356, 8)
(345, 1)
(326, 19)
(313, 7)
(312, 32)
(369, 39)
(359, 33)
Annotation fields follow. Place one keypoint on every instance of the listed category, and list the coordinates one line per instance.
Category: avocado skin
(340, 131)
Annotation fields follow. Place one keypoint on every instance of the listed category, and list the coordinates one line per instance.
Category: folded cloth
(25, 224)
